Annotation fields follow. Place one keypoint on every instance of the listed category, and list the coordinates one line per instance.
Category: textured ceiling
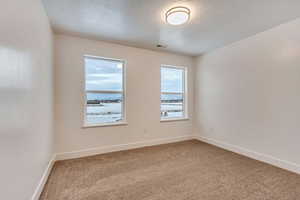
(140, 23)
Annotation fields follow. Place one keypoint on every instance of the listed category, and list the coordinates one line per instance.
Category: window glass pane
(171, 80)
(103, 108)
(171, 105)
(103, 74)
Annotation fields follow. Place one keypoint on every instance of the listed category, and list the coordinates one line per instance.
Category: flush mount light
(178, 15)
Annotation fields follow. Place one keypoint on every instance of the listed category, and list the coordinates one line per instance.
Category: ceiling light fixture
(178, 15)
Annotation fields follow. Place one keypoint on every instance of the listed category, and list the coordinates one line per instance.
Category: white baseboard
(37, 193)
(121, 147)
(252, 154)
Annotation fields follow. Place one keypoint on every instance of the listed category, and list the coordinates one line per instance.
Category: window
(104, 91)
(173, 95)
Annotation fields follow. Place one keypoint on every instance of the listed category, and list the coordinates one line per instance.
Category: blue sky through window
(171, 80)
(103, 74)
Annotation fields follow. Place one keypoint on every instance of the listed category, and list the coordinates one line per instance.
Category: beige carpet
(189, 170)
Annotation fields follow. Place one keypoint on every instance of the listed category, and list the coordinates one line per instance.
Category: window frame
(184, 93)
(123, 92)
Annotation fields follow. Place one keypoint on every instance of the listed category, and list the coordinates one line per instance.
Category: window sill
(105, 125)
(174, 119)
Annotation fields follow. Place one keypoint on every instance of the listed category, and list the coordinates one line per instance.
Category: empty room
(150, 100)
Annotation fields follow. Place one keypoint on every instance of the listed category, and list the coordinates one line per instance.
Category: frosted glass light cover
(177, 15)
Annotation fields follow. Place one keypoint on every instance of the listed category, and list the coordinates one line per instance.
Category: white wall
(143, 95)
(25, 97)
(248, 93)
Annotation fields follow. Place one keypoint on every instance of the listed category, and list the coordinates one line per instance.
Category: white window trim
(184, 94)
(123, 92)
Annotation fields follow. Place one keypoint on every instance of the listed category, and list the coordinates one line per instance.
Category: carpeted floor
(189, 170)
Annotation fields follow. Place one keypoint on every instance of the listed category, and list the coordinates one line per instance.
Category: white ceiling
(140, 23)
